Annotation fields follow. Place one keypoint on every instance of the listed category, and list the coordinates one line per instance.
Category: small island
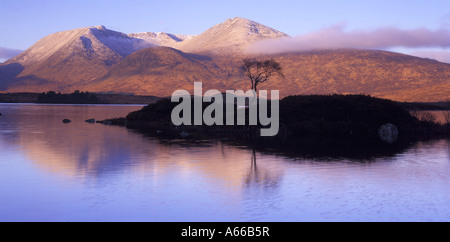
(330, 116)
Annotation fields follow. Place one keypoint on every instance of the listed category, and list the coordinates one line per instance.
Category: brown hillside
(160, 71)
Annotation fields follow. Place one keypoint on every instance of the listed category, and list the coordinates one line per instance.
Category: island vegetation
(310, 116)
(76, 97)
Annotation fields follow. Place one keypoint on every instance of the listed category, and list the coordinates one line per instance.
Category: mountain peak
(230, 36)
(70, 56)
(238, 20)
(96, 40)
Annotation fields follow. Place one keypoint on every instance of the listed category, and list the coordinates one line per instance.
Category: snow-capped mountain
(231, 36)
(161, 38)
(64, 58)
(97, 41)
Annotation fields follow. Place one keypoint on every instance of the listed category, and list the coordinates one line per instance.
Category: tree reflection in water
(261, 176)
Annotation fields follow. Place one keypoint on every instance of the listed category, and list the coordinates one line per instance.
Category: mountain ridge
(160, 38)
(97, 59)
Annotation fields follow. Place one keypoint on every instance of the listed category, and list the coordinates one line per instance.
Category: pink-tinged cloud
(6, 53)
(335, 37)
(442, 56)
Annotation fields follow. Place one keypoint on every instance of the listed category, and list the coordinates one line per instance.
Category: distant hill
(378, 73)
(101, 98)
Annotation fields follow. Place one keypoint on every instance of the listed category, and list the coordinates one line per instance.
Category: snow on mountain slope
(231, 36)
(160, 38)
(99, 41)
(61, 59)
(66, 60)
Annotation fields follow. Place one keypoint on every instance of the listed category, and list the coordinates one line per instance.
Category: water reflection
(92, 151)
(325, 149)
(112, 173)
(261, 176)
(81, 148)
(74, 149)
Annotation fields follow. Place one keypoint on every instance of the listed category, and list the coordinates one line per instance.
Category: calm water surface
(50, 171)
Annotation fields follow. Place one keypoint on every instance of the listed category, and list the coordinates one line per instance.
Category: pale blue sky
(23, 22)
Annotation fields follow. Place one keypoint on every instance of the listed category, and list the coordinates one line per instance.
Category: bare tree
(260, 71)
(446, 116)
(427, 117)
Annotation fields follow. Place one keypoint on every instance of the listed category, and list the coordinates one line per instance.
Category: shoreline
(27, 97)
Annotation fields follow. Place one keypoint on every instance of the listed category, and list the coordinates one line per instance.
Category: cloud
(336, 37)
(439, 55)
(6, 53)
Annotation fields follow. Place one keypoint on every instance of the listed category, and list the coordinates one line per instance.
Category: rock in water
(388, 133)
(66, 121)
(184, 134)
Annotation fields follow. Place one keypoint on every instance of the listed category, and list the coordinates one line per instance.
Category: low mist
(6, 53)
(336, 37)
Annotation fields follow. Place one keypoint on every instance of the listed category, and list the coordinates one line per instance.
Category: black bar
(223, 231)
